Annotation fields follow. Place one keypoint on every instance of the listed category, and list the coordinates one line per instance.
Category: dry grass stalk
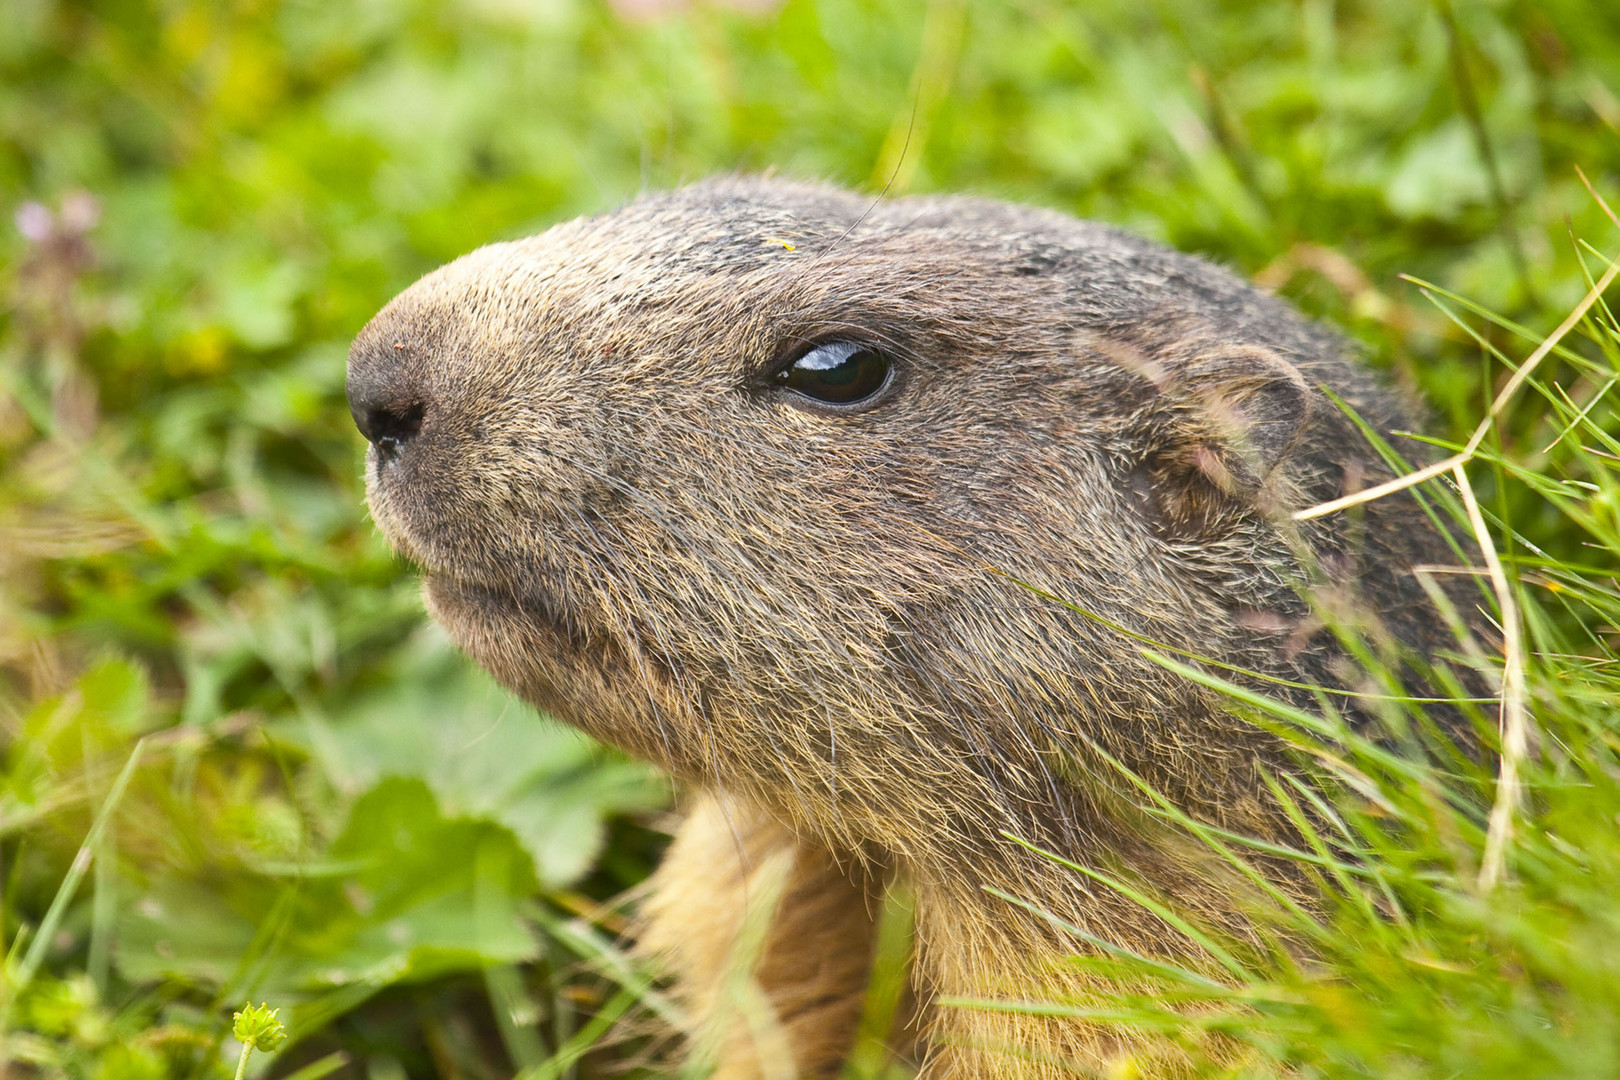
(1466, 454)
(1514, 722)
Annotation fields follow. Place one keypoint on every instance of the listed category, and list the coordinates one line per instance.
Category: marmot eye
(838, 373)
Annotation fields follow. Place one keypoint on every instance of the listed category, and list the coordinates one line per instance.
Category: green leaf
(1439, 176)
(430, 894)
(486, 755)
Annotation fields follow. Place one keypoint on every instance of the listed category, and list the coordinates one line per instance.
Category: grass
(331, 814)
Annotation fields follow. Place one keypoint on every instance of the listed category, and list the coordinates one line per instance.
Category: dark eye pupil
(839, 373)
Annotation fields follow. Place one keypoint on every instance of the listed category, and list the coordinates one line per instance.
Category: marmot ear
(1227, 416)
(1245, 402)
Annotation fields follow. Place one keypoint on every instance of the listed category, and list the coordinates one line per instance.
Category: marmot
(775, 485)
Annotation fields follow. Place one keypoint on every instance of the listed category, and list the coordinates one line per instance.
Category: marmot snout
(764, 482)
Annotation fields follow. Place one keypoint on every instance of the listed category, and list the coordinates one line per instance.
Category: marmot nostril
(387, 427)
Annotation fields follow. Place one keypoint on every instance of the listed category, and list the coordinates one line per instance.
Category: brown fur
(820, 617)
(732, 865)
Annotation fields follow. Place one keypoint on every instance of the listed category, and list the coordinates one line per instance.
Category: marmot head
(764, 482)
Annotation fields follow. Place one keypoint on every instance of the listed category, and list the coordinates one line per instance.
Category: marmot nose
(388, 423)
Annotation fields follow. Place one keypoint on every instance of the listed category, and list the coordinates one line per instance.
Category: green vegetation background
(331, 812)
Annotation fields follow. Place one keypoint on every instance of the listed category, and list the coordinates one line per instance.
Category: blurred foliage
(210, 198)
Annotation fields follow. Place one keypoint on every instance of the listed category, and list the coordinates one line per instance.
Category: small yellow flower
(257, 1027)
